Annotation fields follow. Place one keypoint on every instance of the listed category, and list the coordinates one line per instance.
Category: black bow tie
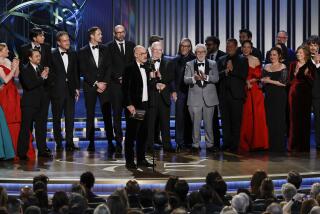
(37, 48)
(95, 46)
(200, 64)
(63, 53)
(143, 66)
(157, 60)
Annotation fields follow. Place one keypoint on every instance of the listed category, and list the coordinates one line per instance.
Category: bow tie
(157, 60)
(37, 48)
(143, 66)
(65, 52)
(95, 46)
(200, 64)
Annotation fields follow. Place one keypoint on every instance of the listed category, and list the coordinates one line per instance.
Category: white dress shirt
(201, 69)
(157, 66)
(34, 45)
(317, 65)
(65, 60)
(95, 53)
(124, 45)
(144, 81)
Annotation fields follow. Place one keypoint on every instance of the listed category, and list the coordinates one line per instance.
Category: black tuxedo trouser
(216, 128)
(316, 112)
(183, 127)
(136, 131)
(45, 102)
(90, 97)
(65, 103)
(231, 114)
(158, 116)
(30, 115)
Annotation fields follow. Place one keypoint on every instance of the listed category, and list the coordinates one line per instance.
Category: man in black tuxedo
(314, 43)
(37, 42)
(245, 34)
(65, 91)
(93, 63)
(120, 55)
(159, 98)
(135, 94)
(233, 70)
(183, 125)
(32, 78)
(212, 44)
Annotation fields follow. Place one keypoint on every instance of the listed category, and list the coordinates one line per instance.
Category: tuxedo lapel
(90, 55)
(59, 57)
(100, 57)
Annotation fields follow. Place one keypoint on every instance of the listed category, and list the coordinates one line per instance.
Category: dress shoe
(72, 148)
(131, 166)
(118, 149)
(144, 163)
(44, 154)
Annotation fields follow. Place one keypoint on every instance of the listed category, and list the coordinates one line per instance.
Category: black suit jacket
(118, 62)
(132, 86)
(166, 78)
(316, 84)
(88, 68)
(33, 86)
(219, 55)
(235, 81)
(61, 77)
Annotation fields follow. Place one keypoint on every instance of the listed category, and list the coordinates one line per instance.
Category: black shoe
(59, 148)
(144, 163)
(44, 154)
(91, 148)
(72, 148)
(213, 149)
(118, 149)
(131, 166)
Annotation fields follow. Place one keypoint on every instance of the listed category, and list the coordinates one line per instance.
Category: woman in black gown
(275, 77)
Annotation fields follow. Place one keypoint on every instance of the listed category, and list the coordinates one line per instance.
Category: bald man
(121, 54)
(136, 97)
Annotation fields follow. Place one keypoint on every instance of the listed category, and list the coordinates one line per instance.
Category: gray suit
(202, 97)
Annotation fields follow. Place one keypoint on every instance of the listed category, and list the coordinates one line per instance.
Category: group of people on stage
(260, 105)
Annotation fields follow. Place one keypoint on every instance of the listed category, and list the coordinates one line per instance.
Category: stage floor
(67, 167)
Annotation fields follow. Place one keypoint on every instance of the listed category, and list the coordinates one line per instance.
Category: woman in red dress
(254, 131)
(10, 98)
(301, 78)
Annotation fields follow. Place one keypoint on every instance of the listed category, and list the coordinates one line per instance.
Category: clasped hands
(101, 87)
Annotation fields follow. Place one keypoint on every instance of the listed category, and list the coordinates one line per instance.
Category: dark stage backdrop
(196, 19)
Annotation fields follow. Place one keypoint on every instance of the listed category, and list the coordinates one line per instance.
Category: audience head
(14, 205)
(119, 33)
(63, 40)
(77, 204)
(3, 197)
(206, 193)
(228, 210)
(95, 35)
(195, 198)
(313, 42)
(221, 187)
(87, 180)
(231, 48)
(275, 55)
(274, 208)
(33, 210)
(315, 210)
(172, 180)
(43, 178)
(185, 47)
(160, 200)
(198, 209)
(294, 178)
(212, 44)
(267, 189)
(60, 202)
(244, 34)
(78, 188)
(181, 188)
(303, 53)
(157, 50)
(146, 196)
(140, 53)
(132, 187)
(25, 193)
(101, 209)
(256, 181)
(36, 35)
(155, 38)
(40, 191)
(288, 191)
(4, 51)
(282, 37)
(134, 211)
(116, 205)
(307, 205)
(200, 51)
(240, 202)
(315, 190)
(212, 177)
(179, 211)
